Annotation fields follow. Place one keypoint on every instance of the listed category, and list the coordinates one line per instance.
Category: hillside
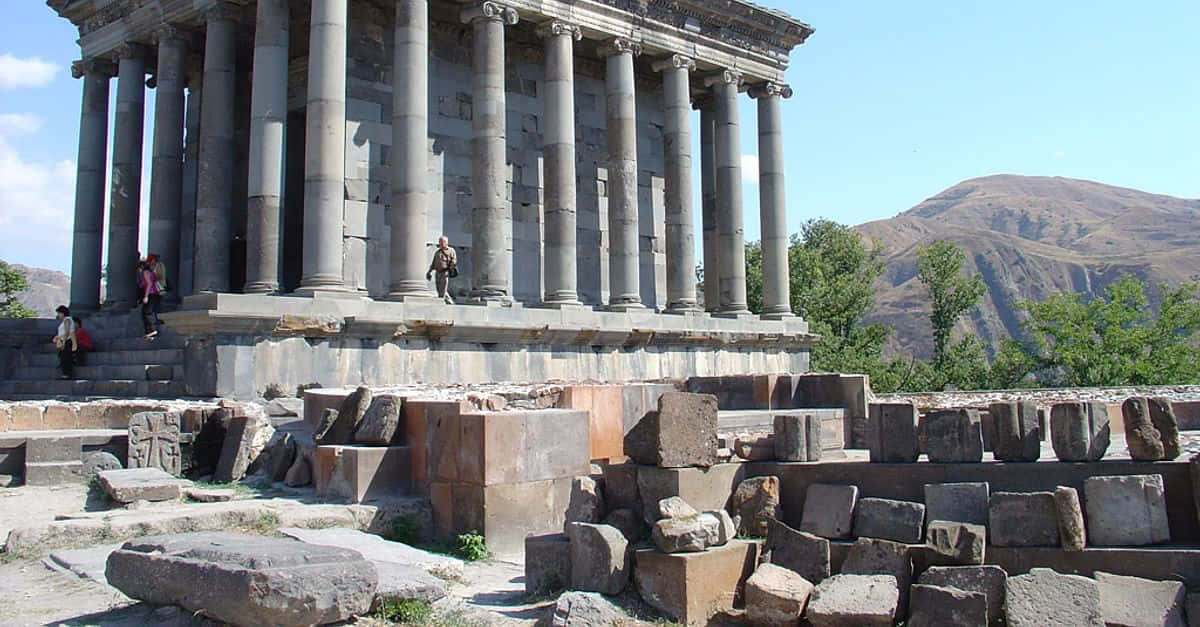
(1030, 237)
(47, 289)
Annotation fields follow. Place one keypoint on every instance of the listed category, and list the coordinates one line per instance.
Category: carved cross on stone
(154, 441)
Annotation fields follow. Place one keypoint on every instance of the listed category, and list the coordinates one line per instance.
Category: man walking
(445, 265)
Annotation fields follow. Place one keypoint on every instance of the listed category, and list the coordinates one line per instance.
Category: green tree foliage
(951, 294)
(13, 282)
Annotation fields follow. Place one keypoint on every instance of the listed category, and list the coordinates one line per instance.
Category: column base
(268, 289)
(562, 304)
(625, 307)
(739, 314)
(778, 315)
(684, 309)
(412, 297)
(327, 291)
(489, 301)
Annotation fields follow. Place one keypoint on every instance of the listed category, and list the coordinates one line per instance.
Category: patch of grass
(266, 524)
(472, 547)
(105, 535)
(236, 486)
(405, 531)
(407, 612)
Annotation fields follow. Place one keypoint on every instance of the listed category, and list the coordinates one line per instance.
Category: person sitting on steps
(65, 342)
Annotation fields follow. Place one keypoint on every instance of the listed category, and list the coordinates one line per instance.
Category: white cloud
(750, 169)
(25, 72)
(37, 200)
(19, 123)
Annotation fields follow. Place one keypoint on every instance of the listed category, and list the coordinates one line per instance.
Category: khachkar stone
(708, 205)
(89, 183)
(624, 285)
(491, 213)
(730, 229)
(268, 117)
(559, 163)
(410, 152)
(154, 441)
(677, 143)
(214, 193)
(772, 202)
(166, 174)
(1079, 432)
(123, 211)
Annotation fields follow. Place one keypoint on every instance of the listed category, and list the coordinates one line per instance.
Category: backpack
(83, 340)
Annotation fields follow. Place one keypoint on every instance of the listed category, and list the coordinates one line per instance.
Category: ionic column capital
(171, 33)
(223, 12)
(558, 28)
(770, 89)
(674, 62)
(131, 50)
(620, 45)
(724, 77)
(703, 101)
(93, 65)
(491, 11)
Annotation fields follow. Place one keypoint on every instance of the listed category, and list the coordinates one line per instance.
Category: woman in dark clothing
(150, 296)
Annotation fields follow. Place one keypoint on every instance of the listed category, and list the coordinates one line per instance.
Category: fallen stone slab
(756, 501)
(887, 519)
(955, 544)
(869, 556)
(692, 587)
(798, 551)
(210, 495)
(829, 510)
(861, 600)
(586, 609)
(126, 485)
(245, 579)
(1079, 432)
(986, 580)
(599, 558)
(349, 414)
(1023, 519)
(935, 606)
(380, 421)
(378, 549)
(1044, 597)
(401, 582)
(682, 433)
(247, 437)
(1071, 532)
(776, 596)
(87, 563)
(1128, 510)
(547, 563)
(953, 436)
(958, 502)
(892, 433)
(1135, 601)
(1017, 434)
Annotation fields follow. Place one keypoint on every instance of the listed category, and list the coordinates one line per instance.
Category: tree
(13, 282)
(952, 294)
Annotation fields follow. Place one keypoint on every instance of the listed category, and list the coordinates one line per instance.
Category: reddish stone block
(606, 417)
(60, 417)
(356, 473)
(692, 587)
(26, 417)
(491, 448)
(5, 417)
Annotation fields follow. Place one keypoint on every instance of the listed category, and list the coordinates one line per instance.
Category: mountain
(1030, 237)
(47, 289)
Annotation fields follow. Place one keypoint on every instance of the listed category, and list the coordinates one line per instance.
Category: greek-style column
(191, 161)
(559, 163)
(268, 117)
(410, 151)
(491, 215)
(771, 201)
(325, 149)
(677, 144)
(166, 174)
(708, 207)
(214, 188)
(89, 183)
(125, 200)
(624, 286)
(731, 232)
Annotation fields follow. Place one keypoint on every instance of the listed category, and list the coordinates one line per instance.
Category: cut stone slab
(958, 502)
(1129, 510)
(96, 461)
(547, 563)
(756, 501)
(869, 556)
(860, 600)
(703, 488)
(53, 473)
(934, 606)
(401, 582)
(380, 421)
(127, 485)
(1017, 434)
(1079, 432)
(776, 596)
(956, 544)
(349, 414)
(87, 563)
(43, 448)
(1133, 601)
(1141, 437)
(1071, 532)
(1043, 597)
(1162, 415)
(798, 551)
(586, 609)
(953, 436)
(247, 437)
(599, 558)
(682, 433)
(357, 473)
(887, 519)
(986, 580)
(154, 441)
(377, 549)
(892, 433)
(797, 437)
(281, 454)
(587, 502)
(691, 587)
(829, 510)
(1023, 519)
(245, 579)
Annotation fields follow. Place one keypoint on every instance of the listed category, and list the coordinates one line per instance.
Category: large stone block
(934, 606)
(381, 421)
(756, 501)
(902, 521)
(892, 432)
(1079, 432)
(1128, 510)
(797, 437)
(599, 558)
(621, 487)
(691, 587)
(762, 391)
(247, 436)
(955, 543)
(245, 579)
(1071, 531)
(959, 502)
(587, 501)
(860, 600)
(606, 417)
(317, 400)
(154, 441)
(350, 413)
(358, 473)
(682, 433)
(953, 436)
(640, 399)
(1017, 435)
(53, 448)
(504, 513)
(513, 446)
(141, 484)
(432, 431)
(829, 510)
(1136, 601)
(985, 580)
(801, 552)
(1023, 519)
(776, 596)
(869, 556)
(704, 488)
(1151, 430)
(1043, 597)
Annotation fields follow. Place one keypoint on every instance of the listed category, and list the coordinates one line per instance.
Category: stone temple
(306, 155)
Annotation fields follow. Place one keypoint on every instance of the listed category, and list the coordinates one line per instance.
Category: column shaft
(624, 285)
(559, 164)
(191, 169)
(89, 185)
(268, 117)
(214, 186)
(410, 151)
(772, 203)
(708, 208)
(125, 201)
(677, 145)
(166, 174)
(731, 232)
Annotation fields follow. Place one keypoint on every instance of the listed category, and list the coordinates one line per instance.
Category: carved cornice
(488, 10)
(770, 89)
(99, 67)
(620, 45)
(724, 77)
(559, 28)
(674, 62)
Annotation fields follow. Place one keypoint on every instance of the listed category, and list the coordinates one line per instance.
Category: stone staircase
(123, 364)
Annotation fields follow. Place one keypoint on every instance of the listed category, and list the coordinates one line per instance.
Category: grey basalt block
(1016, 433)
(986, 580)
(1044, 597)
(801, 552)
(126, 485)
(869, 556)
(887, 519)
(892, 432)
(860, 600)
(955, 543)
(958, 502)
(1023, 519)
(1127, 510)
(954, 436)
(1136, 601)
(682, 433)
(934, 606)
(829, 510)
(1079, 432)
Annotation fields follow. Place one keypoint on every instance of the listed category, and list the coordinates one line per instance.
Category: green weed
(472, 547)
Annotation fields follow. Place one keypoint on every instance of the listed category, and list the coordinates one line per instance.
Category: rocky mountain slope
(1030, 237)
(47, 289)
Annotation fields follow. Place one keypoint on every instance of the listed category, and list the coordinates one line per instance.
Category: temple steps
(85, 389)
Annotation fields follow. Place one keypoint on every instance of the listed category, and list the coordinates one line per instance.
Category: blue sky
(893, 103)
